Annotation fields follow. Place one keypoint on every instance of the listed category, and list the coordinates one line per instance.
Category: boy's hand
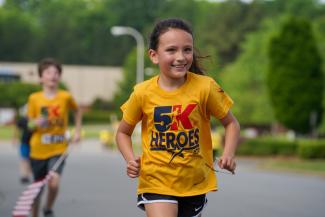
(76, 137)
(40, 122)
(15, 142)
(228, 163)
(133, 168)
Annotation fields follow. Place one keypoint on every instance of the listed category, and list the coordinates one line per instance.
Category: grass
(89, 131)
(92, 131)
(283, 164)
(316, 167)
(6, 132)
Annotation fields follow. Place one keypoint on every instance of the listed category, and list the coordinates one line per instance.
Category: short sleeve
(132, 111)
(31, 108)
(218, 102)
(72, 103)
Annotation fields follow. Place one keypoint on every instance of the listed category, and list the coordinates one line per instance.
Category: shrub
(96, 117)
(267, 146)
(311, 149)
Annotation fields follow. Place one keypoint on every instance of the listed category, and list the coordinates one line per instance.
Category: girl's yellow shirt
(49, 140)
(176, 134)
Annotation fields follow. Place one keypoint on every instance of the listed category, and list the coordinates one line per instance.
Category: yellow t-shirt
(176, 139)
(49, 140)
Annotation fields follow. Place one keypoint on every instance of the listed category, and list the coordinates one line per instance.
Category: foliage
(14, 25)
(319, 27)
(16, 94)
(128, 81)
(230, 21)
(96, 117)
(312, 149)
(245, 78)
(77, 31)
(267, 146)
(102, 104)
(233, 33)
(295, 79)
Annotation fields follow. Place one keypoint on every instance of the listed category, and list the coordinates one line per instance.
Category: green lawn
(92, 131)
(285, 164)
(316, 167)
(89, 131)
(6, 132)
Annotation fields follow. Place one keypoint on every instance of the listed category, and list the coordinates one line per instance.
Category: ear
(153, 56)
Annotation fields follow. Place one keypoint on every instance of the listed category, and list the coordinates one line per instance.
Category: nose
(180, 57)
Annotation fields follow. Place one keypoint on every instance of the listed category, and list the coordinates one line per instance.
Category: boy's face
(50, 77)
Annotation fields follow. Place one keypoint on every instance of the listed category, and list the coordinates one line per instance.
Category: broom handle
(61, 159)
(65, 153)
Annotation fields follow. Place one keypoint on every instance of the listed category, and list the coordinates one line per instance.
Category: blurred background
(268, 55)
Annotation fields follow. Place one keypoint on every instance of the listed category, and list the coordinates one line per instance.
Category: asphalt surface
(94, 184)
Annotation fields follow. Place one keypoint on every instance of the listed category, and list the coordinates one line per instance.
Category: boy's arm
(124, 143)
(232, 129)
(77, 123)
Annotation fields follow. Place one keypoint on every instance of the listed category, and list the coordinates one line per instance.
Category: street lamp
(124, 30)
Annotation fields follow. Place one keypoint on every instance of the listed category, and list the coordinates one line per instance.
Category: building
(84, 82)
(7, 75)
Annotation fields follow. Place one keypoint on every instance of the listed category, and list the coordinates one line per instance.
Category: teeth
(179, 66)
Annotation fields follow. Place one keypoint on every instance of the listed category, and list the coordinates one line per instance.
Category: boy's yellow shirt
(176, 134)
(49, 140)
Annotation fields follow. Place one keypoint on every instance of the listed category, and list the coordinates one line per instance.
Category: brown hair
(47, 62)
(174, 23)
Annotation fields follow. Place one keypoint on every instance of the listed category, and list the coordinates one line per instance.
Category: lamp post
(124, 30)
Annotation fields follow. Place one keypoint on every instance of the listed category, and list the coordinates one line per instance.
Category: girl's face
(174, 53)
(50, 77)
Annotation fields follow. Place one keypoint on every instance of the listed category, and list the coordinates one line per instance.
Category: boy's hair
(174, 23)
(46, 62)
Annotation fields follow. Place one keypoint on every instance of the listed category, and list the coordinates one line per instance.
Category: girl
(175, 169)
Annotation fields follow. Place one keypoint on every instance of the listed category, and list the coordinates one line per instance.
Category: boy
(48, 114)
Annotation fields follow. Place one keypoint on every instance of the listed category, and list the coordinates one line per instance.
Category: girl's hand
(133, 168)
(228, 163)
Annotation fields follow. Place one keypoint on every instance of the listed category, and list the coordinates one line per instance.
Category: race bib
(52, 139)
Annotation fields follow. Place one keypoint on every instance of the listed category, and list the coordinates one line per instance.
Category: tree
(295, 79)
(129, 79)
(245, 79)
(226, 25)
(16, 94)
(320, 36)
(16, 35)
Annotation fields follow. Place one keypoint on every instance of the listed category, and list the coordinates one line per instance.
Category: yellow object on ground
(106, 137)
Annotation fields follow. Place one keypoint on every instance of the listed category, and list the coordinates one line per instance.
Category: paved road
(94, 184)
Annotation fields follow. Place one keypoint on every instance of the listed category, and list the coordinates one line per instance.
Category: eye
(188, 49)
(171, 49)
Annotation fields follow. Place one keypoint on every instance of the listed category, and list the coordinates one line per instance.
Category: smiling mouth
(179, 66)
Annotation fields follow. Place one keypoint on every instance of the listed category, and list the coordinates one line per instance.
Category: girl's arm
(232, 130)
(124, 143)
